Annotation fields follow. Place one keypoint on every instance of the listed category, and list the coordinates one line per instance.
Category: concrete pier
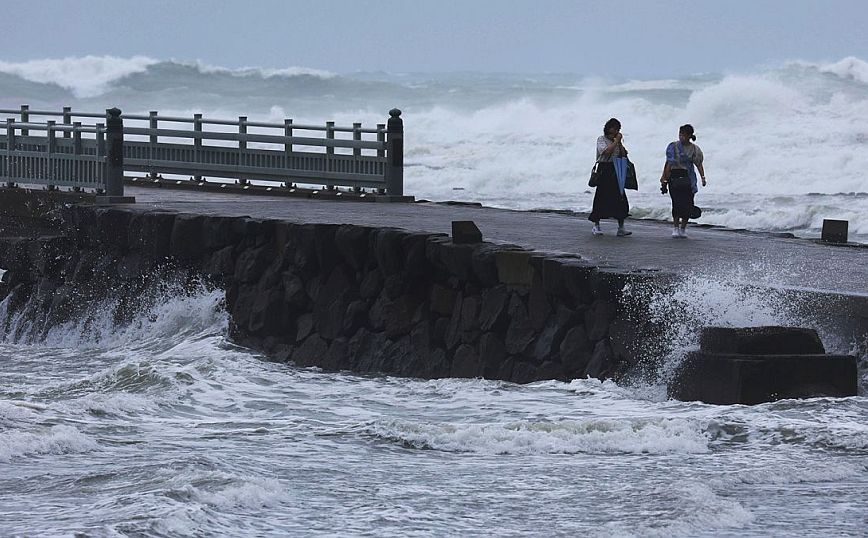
(383, 288)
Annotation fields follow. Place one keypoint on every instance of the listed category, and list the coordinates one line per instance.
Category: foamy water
(786, 146)
(162, 428)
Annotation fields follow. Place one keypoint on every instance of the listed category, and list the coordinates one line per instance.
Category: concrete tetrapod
(762, 364)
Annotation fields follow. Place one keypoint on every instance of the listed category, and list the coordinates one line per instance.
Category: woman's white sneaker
(682, 232)
(623, 232)
(676, 232)
(596, 230)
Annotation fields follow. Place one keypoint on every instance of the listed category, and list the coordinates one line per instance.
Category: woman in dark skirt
(610, 201)
(680, 177)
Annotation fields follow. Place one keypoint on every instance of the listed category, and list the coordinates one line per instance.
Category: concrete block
(834, 231)
(465, 232)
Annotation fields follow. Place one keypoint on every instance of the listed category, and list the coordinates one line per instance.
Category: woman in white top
(610, 202)
(679, 177)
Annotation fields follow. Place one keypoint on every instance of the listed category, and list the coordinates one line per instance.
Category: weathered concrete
(762, 364)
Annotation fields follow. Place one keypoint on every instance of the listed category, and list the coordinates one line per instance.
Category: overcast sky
(635, 38)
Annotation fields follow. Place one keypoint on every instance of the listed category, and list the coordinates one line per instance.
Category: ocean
(163, 427)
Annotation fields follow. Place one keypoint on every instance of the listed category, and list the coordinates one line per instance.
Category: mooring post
(395, 154)
(114, 168)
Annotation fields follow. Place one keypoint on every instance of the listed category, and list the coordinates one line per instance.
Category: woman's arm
(701, 172)
(666, 171)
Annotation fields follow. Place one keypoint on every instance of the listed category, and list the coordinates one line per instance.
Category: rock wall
(341, 296)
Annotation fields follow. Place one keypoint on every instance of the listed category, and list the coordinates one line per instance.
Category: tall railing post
(50, 148)
(114, 163)
(10, 148)
(197, 143)
(76, 150)
(330, 150)
(395, 154)
(67, 120)
(153, 140)
(287, 147)
(25, 118)
(242, 145)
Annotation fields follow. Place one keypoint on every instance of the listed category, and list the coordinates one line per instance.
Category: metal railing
(195, 150)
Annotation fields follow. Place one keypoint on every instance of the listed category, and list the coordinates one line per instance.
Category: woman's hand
(703, 181)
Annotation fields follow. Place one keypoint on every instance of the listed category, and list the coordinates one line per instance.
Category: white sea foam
(771, 136)
(54, 440)
(597, 436)
(700, 509)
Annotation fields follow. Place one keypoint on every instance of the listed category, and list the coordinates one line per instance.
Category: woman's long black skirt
(609, 203)
(682, 197)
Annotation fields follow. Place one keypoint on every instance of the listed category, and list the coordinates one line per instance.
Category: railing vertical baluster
(197, 143)
(395, 153)
(25, 118)
(153, 140)
(242, 145)
(10, 148)
(67, 120)
(76, 151)
(50, 148)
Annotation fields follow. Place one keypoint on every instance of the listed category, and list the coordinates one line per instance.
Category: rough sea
(162, 427)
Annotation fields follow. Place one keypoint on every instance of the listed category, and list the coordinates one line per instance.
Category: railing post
(381, 137)
(25, 118)
(330, 150)
(242, 145)
(357, 135)
(114, 163)
(153, 140)
(287, 148)
(197, 143)
(10, 147)
(67, 120)
(395, 154)
(50, 148)
(76, 150)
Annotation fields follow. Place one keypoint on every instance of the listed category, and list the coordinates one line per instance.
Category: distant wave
(91, 76)
(85, 77)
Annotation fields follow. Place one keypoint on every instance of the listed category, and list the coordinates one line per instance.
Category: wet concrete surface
(750, 257)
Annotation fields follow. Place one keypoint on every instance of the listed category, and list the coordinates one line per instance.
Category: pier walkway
(713, 253)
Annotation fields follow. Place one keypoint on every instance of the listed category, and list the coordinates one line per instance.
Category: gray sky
(631, 38)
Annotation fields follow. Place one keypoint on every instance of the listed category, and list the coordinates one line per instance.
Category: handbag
(696, 212)
(630, 182)
(595, 175)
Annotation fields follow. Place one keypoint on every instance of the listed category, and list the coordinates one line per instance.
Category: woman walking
(610, 200)
(679, 176)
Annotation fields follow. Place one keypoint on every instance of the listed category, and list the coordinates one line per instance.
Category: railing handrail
(204, 121)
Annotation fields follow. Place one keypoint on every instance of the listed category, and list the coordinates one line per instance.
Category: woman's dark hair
(688, 130)
(610, 124)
